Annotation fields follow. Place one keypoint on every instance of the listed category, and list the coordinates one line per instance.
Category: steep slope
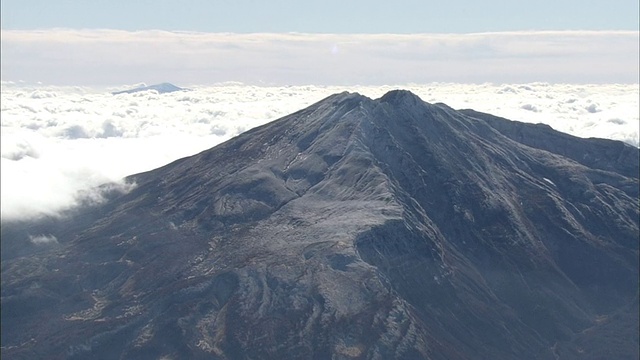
(354, 228)
(603, 154)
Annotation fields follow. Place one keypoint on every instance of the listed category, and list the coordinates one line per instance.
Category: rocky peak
(401, 98)
(354, 228)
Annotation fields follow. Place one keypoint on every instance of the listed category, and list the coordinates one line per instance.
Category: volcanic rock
(352, 229)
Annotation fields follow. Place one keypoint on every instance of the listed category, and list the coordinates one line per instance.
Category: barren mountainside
(352, 229)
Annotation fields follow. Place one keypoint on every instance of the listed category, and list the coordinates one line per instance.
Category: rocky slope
(355, 228)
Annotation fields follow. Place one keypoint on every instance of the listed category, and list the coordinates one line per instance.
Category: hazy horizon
(117, 57)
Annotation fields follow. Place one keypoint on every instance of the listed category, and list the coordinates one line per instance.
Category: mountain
(352, 229)
(160, 88)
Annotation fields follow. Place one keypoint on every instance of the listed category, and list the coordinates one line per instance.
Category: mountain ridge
(354, 228)
(161, 88)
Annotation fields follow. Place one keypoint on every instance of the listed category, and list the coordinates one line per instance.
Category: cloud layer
(60, 142)
(107, 57)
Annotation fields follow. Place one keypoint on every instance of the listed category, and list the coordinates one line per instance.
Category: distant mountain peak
(161, 88)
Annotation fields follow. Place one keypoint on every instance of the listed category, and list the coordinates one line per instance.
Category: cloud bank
(107, 57)
(58, 143)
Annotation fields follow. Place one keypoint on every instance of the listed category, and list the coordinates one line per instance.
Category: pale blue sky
(326, 16)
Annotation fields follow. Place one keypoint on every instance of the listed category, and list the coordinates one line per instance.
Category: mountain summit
(354, 228)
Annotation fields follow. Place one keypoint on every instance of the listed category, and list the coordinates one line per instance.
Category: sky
(327, 16)
(570, 64)
(284, 42)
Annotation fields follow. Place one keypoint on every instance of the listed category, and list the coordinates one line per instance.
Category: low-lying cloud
(107, 57)
(59, 143)
(43, 239)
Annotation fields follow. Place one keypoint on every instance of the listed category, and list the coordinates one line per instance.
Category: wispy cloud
(58, 143)
(43, 239)
(101, 57)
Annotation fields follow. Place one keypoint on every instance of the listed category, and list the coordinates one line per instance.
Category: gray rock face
(355, 228)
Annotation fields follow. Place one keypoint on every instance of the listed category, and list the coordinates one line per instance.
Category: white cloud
(56, 148)
(102, 57)
(43, 239)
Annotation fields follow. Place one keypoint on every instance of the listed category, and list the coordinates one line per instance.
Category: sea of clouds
(58, 143)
